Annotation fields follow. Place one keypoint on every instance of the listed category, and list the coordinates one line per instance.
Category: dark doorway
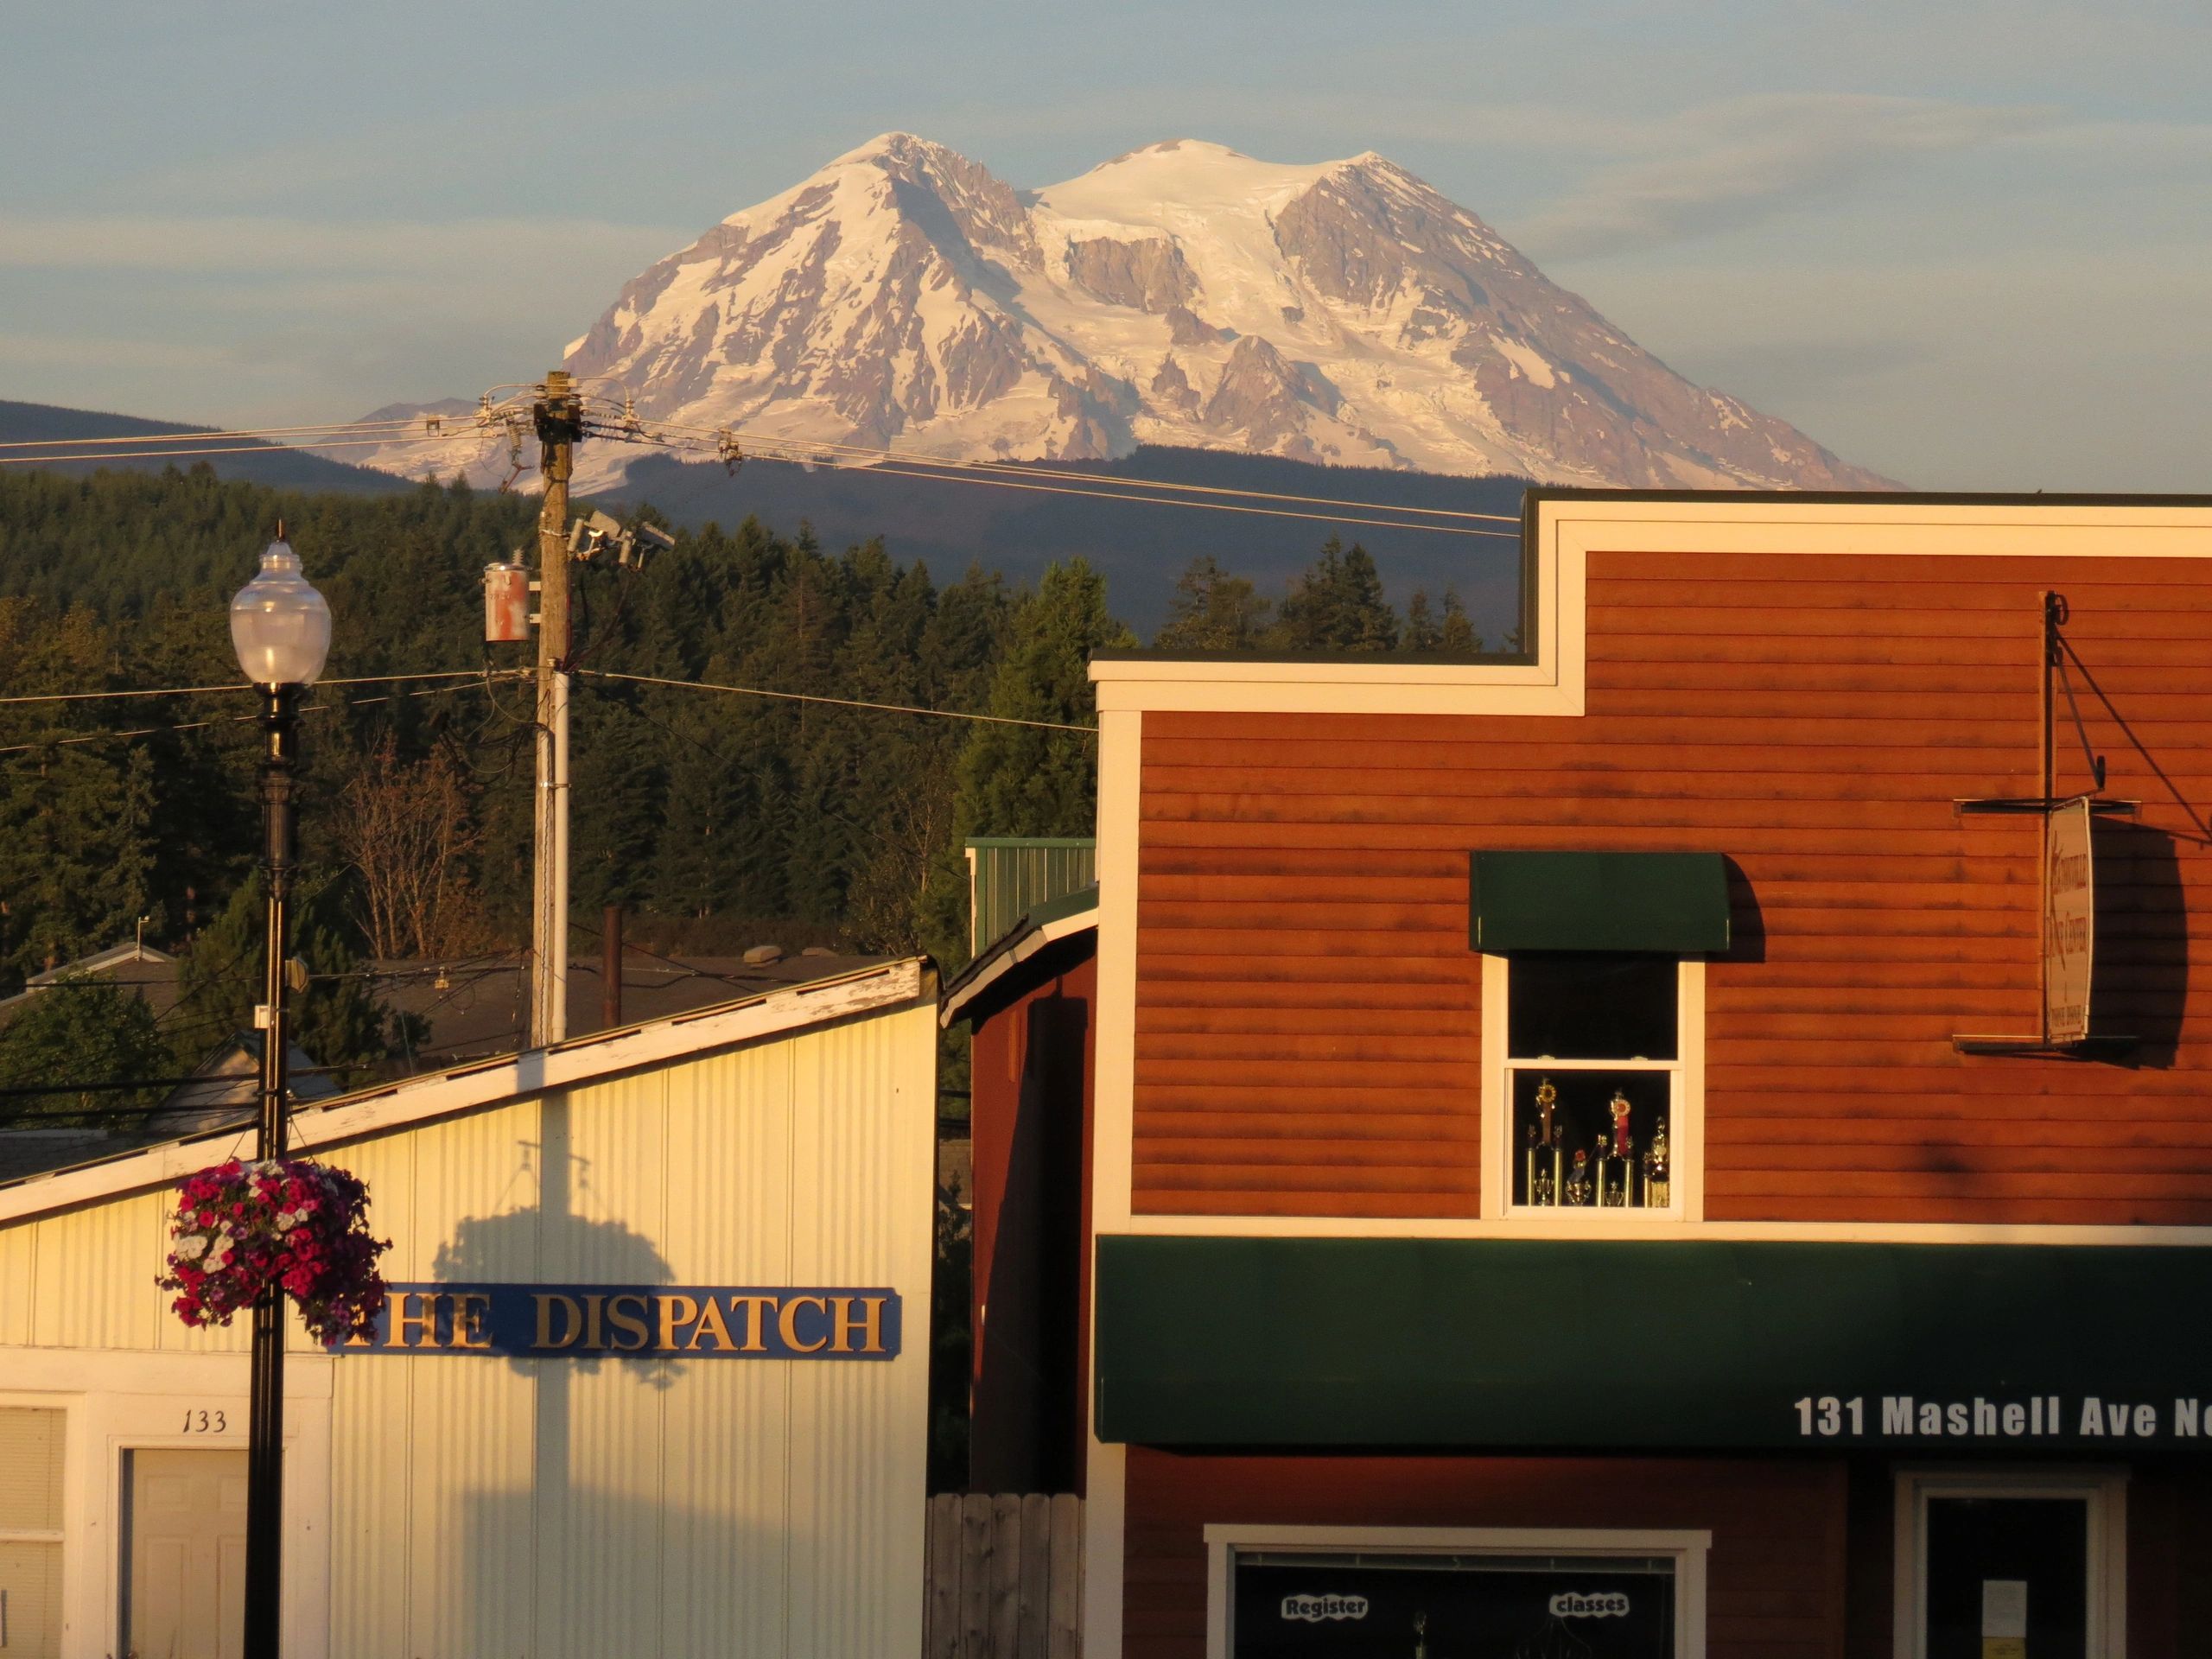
(2007, 1575)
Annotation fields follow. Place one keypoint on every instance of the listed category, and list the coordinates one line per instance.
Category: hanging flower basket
(291, 1222)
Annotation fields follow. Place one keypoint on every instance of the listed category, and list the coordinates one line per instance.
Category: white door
(187, 1554)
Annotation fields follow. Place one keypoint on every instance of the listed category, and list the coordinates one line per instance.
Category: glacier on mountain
(904, 297)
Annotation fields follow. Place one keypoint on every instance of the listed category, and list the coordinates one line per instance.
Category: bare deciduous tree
(409, 831)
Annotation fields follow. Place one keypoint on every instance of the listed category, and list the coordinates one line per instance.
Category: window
(1286, 1592)
(1591, 1089)
(2011, 1563)
(30, 1533)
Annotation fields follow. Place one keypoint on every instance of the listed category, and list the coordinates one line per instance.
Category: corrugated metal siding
(1011, 873)
(503, 1508)
(1308, 1009)
(18, 1255)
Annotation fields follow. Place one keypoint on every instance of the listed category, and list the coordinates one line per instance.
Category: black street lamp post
(281, 629)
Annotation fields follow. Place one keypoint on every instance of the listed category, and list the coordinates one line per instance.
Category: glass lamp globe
(279, 625)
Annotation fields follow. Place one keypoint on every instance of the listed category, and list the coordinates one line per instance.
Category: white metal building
(654, 1498)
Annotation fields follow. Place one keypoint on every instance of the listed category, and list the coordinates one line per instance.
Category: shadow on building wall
(1028, 1385)
(575, 1532)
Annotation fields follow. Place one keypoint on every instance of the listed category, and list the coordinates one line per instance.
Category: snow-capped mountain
(1183, 294)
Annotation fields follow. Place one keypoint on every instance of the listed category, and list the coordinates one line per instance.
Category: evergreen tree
(615, 805)
(1337, 606)
(1022, 780)
(1423, 633)
(81, 1029)
(1457, 635)
(338, 1019)
(1212, 610)
(77, 840)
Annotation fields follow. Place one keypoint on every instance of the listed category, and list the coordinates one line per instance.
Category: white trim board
(2103, 1489)
(1038, 938)
(572, 1065)
(1569, 528)
(1523, 1225)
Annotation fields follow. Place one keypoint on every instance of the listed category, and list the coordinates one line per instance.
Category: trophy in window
(1542, 1181)
(1578, 1180)
(1658, 1190)
(1618, 1192)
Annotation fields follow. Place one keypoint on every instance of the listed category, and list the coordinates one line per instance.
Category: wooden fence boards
(1005, 1576)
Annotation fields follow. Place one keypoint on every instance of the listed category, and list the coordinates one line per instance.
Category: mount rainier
(1184, 294)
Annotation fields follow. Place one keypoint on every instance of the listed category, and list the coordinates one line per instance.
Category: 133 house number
(206, 1423)
(1824, 1416)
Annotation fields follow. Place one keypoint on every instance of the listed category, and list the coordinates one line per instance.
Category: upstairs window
(1594, 1078)
(1592, 1026)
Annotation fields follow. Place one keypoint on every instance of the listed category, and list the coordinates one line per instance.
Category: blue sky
(1966, 244)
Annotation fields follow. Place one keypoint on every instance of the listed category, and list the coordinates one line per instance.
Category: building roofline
(482, 1084)
(1041, 927)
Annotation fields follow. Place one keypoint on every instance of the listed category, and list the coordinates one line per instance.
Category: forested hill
(33, 423)
(1039, 514)
(1137, 547)
(717, 820)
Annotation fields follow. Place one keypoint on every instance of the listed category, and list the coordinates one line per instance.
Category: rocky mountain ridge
(1346, 313)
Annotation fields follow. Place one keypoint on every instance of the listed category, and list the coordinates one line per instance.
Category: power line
(211, 434)
(480, 418)
(229, 720)
(840, 702)
(205, 691)
(888, 463)
(1024, 469)
(262, 447)
(887, 470)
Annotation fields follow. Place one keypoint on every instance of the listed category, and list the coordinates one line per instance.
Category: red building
(1676, 1142)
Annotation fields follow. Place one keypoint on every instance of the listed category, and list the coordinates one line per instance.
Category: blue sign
(635, 1322)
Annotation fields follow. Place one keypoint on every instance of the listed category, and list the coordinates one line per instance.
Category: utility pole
(558, 415)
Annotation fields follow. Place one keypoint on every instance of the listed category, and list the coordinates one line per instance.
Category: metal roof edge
(1046, 925)
(575, 1064)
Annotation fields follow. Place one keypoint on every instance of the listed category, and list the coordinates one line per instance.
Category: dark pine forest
(715, 820)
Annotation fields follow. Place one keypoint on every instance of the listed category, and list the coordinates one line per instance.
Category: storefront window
(30, 1533)
(1593, 1071)
(1287, 1604)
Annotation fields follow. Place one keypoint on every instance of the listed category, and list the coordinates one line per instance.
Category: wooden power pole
(559, 419)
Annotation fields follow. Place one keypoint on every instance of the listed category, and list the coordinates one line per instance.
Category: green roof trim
(1671, 904)
(1031, 841)
(1523, 1344)
(1067, 904)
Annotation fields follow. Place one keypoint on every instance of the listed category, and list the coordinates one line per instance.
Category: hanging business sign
(2070, 905)
(594, 1322)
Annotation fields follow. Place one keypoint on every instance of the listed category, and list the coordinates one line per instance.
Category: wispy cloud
(270, 245)
(1725, 166)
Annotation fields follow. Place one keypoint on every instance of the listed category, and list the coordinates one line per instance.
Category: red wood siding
(1307, 1006)
(1031, 1066)
(1775, 1575)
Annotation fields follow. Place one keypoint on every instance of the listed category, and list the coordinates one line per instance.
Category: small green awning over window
(1673, 904)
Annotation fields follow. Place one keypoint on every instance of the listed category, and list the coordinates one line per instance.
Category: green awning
(1512, 1344)
(1675, 903)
